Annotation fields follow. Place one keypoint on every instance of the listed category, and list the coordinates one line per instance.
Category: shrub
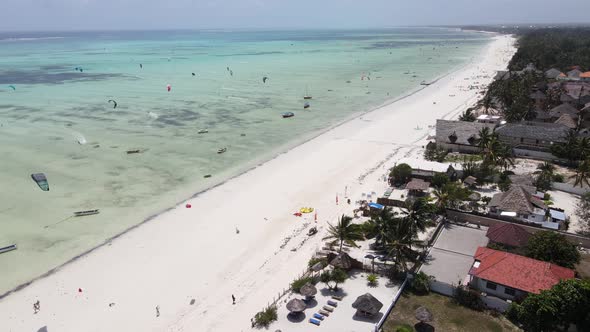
(395, 273)
(298, 283)
(265, 317)
(468, 298)
(558, 178)
(336, 276)
(439, 180)
(404, 328)
(372, 279)
(401, 174)
(421, 283)
(314, 260)
(552, 247)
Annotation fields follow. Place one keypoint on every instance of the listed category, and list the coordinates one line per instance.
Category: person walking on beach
(233, 298)
(157, 311)
(36, 306)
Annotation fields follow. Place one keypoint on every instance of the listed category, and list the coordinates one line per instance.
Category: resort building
(509, 276)
(534, 136)
(574, 74)
(508, 234)
(488, 118)
(459, 136)
(520, 204)
(553, 73)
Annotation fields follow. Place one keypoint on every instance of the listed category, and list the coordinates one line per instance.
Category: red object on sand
(315, 217)
(188, 206)
(79, 290)
(297, 214)
(336, 199)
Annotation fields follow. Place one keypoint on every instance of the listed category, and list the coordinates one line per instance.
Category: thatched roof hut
(424, 315)
(367, 304)
(342, 261)
(308, 290)
(296, 305)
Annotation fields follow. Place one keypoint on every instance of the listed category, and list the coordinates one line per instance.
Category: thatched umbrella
(342, 261)
(308, 290)
(424, 315)
(296, 305)
(367, 304)
(317, 267)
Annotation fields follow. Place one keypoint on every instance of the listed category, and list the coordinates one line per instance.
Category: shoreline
(325, 137)
(252, 165)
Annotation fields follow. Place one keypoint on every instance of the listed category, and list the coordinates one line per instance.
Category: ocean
(58, 117)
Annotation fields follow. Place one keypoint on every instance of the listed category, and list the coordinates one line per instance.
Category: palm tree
(418, 213)
(583, 148)
(401, 244)
(484, 138)
(504, 157)
(344, 232)
(379, 225)
(582, 176)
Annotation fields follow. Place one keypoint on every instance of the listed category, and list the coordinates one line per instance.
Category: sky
(22, 15)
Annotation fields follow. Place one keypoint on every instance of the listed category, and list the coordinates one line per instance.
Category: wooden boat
(203, 131)
(288, 115)
(85, 213)
(41, 181)
(133, 151)
(306, 106)
(307, 96)
(8, 248)
(222, 150)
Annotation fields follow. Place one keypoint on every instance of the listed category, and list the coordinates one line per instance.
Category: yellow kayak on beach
(306, 210)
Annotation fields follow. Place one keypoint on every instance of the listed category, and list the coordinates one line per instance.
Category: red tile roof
(508, 234)
(519, 272)
(585, 75)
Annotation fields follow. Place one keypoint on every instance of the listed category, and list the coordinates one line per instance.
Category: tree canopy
(552, 247)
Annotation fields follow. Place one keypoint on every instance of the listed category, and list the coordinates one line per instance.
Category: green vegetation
(333, 277)
(553, 48)
(574, 149)
(372, 280)
(448, 316)
(265, 317)
(512, 95)
(582, 176)
(421, 283)
(467, 115)
(344, 232)
(544, 176)
(400, 174)
(298, 283)
(552, 247)
(434, 153)
(314, 260)
(439, 180)
(555, 309)
(450, 196)
(468, 298)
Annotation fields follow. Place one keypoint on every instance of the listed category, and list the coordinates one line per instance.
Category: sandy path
(196, 254)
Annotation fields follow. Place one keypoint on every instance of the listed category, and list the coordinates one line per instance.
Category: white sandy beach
(195, 253)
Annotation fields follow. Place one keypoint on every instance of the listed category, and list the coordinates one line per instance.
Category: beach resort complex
(163, 177)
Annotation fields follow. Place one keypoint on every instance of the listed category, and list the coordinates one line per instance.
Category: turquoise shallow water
(53, 106)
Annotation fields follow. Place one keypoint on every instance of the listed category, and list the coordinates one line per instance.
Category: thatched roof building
(367, 305)
(516, 199)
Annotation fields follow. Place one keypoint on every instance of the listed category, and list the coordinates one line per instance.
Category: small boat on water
(425, 83)
(288, 115)
(306, 106)
(203, 131)
(85, 213)
(222, 150)
(133, 151)
(8, 248)
(41, 181)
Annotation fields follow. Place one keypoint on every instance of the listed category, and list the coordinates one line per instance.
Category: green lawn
(448, 316)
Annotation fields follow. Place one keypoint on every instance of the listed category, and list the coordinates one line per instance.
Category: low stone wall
(569, 188)
(458, 216)
(493, 302)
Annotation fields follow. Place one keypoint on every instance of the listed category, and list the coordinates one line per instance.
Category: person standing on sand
(36, 306)
(157, 311)
(233, 298)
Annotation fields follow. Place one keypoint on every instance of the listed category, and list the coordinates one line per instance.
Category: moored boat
(222, 150)
(85, 213)
(41, 181)
(8, 248)
(288, 114)
(306, 105)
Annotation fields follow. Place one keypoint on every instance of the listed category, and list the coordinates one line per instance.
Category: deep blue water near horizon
(56, 117)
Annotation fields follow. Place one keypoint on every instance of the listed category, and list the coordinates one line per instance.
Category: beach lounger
(324, 312)
(332, 303)
(339, 298)
(329, 309)
(314, 321)
(318, 316)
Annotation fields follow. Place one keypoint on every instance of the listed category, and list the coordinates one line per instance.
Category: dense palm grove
(553, 48)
